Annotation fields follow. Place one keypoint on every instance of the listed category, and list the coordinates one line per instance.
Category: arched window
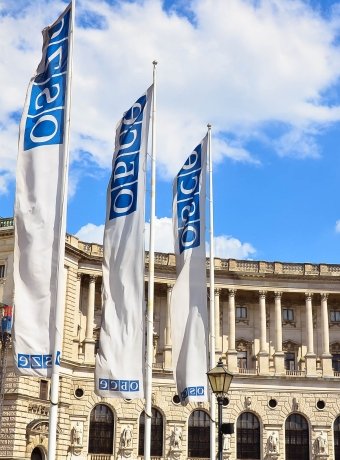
(297, 436)
(199, 434)
(156, 433)
(101, 430)
(248, 436)
(336, 431)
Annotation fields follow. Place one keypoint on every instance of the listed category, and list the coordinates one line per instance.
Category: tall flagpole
(150, 307)
(60, 301)
(212, 359)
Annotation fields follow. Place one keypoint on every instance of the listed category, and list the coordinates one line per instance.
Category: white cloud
(225, 246)
(91, 233)
(337, 226)
(228, 247)
(164, 240)
(242, 64)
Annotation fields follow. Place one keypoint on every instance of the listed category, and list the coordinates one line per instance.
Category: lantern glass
(220, 378)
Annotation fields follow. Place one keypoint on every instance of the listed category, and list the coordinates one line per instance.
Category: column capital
(232, 292)
(169, 286)
(93, 278)
(308, 295)
(79, 276)
(217, 291)
(262, 294)
(324, 295)
(278, 294)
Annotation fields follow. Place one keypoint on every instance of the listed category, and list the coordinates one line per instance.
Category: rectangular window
(2, 271)
(335, 316)
(43, 390)
(241, 312)
(336, 362)
(290, 361)
(288, 314)
(242, 359)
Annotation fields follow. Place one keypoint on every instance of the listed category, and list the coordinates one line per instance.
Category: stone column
(231, 353)
(263, 355)
(218, 338)
(77, 315)
(167, 342)
(89, 341)
(279, 354)
(310, 356)
(326, 357)
(77, 311)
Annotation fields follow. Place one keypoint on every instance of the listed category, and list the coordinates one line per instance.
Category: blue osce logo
(124, 179)
(37, 361)
(119, 385)
(188, 201)
(192, 391)
(46, 107)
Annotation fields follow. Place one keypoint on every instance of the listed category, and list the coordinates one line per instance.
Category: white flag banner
(40, 205)
(120, 361)
(189, 316)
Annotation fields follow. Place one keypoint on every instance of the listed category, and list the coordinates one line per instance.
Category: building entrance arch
(37, 454)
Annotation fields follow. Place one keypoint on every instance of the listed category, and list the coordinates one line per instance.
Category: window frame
(298, 437)
(157, 433)
(101, 432)
(199, 434)
(44, 393)
(241, 313)
(288, 314)
(334, 316)
(250, 450)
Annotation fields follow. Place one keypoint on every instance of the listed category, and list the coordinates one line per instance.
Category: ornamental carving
(290, 346)
(37, 434)
(243, 345)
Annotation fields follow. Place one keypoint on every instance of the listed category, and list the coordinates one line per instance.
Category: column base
(263, 362)
(167, 356)
(310, 360)
(232, 360)
(279, 363)
(89, 350)
(327, 368)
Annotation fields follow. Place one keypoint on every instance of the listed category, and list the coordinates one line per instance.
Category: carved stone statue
(272, 443)
(226, 442)
(320, 445)
(176, 438)
(77, 434)
(126, 437)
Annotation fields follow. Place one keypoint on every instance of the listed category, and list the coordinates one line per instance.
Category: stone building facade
(277, 329)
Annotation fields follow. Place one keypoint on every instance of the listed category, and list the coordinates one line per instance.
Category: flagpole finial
(154, 62)
(209, 126)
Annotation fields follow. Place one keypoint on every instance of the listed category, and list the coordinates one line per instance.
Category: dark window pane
(101, 430)
(296, 434)
(336, 362)
(337, 439)
(199, 434)
(241, 312)
(156, 434)
(43, 389)
(288, 314)
(290, 363)
(248, 436)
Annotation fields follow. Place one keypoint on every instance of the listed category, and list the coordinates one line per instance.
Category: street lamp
(220, 379)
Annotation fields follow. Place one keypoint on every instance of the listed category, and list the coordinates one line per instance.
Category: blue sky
(265, 74)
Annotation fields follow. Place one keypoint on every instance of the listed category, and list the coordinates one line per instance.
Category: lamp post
(220, 379)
